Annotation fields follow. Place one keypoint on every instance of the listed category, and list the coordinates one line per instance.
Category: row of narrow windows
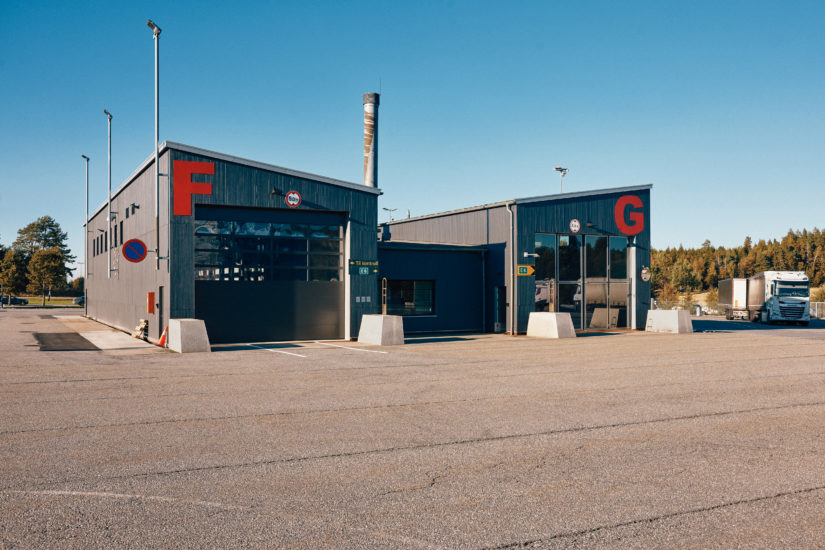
(101, 243)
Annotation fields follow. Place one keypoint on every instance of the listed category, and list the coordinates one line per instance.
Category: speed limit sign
(575, 225)
(293, 199)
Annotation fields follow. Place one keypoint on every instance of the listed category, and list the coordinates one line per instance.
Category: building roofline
(527, 200)
(167, 145)
(270, 167)
(420, 245)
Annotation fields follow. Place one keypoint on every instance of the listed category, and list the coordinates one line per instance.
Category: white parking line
(347, 347)
(275, 350)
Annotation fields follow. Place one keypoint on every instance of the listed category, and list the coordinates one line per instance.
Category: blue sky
(720, 105)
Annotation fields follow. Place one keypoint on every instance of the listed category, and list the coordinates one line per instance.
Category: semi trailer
(770, 296)
(733, 298)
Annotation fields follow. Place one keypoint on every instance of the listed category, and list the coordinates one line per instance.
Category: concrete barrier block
(381, 330)
(188, 335)
(669, 320)
(544, 324)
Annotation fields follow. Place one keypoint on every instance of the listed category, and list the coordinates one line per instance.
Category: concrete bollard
(381, 330)
(544, 324)
(676, 321)
(188, 335)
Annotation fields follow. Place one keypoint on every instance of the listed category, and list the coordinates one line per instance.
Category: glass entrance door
(570, 279)
(564, 262)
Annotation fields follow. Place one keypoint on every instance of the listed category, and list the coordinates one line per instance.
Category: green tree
(47, 268)
(78, 285)
(712, 298)
(42, 234)
(13, 272)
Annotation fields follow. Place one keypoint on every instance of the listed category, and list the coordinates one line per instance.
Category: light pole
(156, 38)
(86, 242)
(109, 215)
(562, 172)
(390, 210)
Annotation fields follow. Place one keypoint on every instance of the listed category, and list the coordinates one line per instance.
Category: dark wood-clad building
(259, 252)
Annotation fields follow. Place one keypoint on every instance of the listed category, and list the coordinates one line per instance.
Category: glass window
(791, 289)
(291, 260)
(324, 260)
(289, 230)
(208, 242)
(618, 258)
(289, 275)
(325, 232)
(253, 243)
(545, 246)
(595, 308)
(324, 275)
(569, 257)
(410, 298)
(114, 240)
(121, 231)
(333, 246)
(618, 304)
(596, 254)
(291, 246)
(253, 228)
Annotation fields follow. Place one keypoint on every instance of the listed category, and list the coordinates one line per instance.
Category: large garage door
(269, 275)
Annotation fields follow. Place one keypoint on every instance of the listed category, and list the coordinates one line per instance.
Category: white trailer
(733, 298)
(779, 296)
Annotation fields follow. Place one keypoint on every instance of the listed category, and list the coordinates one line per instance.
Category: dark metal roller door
(269, 275)
(270, 310)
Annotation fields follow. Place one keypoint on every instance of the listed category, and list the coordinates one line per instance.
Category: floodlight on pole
(109, 201)
(156, 38)
(390, 211)
(562, 172)
(86, 241)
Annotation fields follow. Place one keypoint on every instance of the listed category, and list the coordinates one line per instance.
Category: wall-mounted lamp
(276, 192)
(529, 255)
(590, 224)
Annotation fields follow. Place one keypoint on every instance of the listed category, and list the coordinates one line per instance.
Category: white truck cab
(780, 296)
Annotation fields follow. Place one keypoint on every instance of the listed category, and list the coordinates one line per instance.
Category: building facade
(259, 252)
(586, 253)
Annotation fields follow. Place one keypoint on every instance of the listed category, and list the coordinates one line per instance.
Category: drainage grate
(63, 341)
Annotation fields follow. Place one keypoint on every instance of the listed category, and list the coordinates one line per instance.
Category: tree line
(37, 261)
(688, 270)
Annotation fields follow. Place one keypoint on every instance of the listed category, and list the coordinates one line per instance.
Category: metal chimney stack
(371, 102)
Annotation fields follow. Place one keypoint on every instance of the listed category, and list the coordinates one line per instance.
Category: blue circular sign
(134, 250)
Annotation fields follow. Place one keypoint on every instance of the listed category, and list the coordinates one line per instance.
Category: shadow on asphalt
(722, 325)
(248, 347)
(433, 338)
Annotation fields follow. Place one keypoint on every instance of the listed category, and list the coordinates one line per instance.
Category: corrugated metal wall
(458, 276)
(121, 300)
(555, 216)
(245, 186)
(490, 226)
(486, 226)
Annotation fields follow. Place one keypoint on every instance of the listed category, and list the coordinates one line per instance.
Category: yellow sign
(526, 270)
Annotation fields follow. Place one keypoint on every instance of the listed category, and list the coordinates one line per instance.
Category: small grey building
(259, 252)
(488, 267)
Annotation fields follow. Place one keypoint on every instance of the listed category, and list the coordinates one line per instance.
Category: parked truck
(769, 297)
(733, 298)
(779, 296)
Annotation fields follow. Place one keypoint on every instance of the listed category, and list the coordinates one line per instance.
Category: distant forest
(688, 270)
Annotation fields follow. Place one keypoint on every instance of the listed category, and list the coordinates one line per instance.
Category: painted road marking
(347, 347)
(275, 350)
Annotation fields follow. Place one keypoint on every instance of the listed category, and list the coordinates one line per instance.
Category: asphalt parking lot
(631, 440)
